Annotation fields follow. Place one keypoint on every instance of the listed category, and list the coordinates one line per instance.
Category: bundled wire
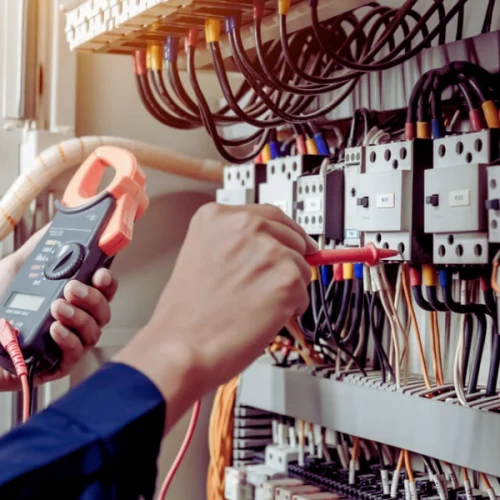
(220, 438)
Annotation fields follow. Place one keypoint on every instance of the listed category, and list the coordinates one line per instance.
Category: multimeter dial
(65, 261)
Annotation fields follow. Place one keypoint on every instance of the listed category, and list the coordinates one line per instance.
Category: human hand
(240, 275)
(79, 316)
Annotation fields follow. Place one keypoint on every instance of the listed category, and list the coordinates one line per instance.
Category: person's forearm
(171, 367)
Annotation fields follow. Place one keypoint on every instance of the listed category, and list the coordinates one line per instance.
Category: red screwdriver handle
(369, 254)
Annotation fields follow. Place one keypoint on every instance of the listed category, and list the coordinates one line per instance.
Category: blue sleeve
(100, 441)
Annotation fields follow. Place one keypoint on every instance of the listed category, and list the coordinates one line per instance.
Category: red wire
(182, 452)
(26, 397)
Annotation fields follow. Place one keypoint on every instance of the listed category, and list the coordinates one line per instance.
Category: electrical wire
(182, 451)
(220, 438)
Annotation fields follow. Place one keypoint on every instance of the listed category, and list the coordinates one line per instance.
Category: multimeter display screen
(25, 301)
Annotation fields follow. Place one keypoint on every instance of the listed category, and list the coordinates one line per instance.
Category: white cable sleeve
(413, 491)
(407, 489)
(384, 476)
(56, 160)
(395, 484)
(468, 489)
(352, 472)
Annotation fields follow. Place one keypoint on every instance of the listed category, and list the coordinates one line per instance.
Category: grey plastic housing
(456, 434)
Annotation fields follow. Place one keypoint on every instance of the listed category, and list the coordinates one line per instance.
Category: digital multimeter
(87, 231)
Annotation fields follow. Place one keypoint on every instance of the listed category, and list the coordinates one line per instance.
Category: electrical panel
(404, 147)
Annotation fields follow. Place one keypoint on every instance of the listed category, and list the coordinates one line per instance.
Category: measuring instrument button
(65, 261)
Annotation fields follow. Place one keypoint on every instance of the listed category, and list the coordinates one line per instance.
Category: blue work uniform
(100, 441)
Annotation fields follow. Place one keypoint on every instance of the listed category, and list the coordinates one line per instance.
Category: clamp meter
(88, 230)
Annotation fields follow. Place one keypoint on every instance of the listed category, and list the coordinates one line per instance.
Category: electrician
(240, 275)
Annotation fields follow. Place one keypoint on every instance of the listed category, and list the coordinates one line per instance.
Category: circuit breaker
(354, 166)
(389, 198)
(455, 197)
(282, 174)
(310, 205)
(241, 184)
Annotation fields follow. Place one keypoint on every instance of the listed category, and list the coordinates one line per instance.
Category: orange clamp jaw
(127, 187)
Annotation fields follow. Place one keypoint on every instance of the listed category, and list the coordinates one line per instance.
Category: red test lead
(369, 254)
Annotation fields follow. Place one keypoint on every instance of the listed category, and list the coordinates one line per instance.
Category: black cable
(161, 89)
(481, 338)
(439, 467)
(32, 364)
(389, 60)
(151, 106)
(491, 385)
(378, 323)
(208, 120)
(460, 24)
(429, 465)
(467, 346)
(358, 311)
(331, 333)
(419, 298)
(434, 302)
(490, 302)
(488, 17)
(367, 327)
(344, 308)
(271, 79)
(453, 306)
(314, 300)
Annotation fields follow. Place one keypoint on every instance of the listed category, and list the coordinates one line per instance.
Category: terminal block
(241, 184)
(122, 26)
(236, 486)
(456, 196)
(354, 165)
(281, 179)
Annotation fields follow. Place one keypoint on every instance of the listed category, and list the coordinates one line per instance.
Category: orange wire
(400, 460)
(26, 397)
(440, 373)
(355, 449)
(485, 480)
(408, 468)
(465, 474)
(433, 340)
(413, 316)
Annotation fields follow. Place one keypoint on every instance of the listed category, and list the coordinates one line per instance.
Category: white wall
(107, 103)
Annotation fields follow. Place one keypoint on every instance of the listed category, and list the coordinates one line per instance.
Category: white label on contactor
(459, 198)
(312, 205)
(385, 200)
